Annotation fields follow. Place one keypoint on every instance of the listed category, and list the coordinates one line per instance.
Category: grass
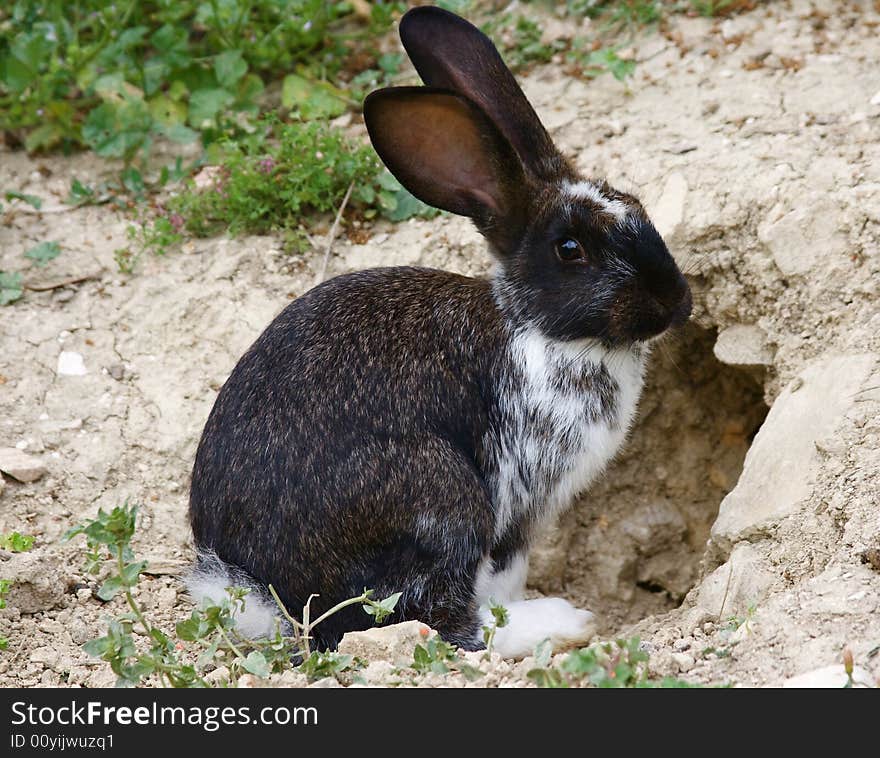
(207, 640)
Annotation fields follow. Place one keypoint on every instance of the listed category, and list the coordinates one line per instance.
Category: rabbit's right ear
(450, 52)
(448, 153)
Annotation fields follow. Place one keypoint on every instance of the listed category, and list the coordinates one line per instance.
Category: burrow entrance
(632, 546)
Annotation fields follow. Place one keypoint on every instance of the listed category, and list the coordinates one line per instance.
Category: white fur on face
(530, 622)
(589, 191)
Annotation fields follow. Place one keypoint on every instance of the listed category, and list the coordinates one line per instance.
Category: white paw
(533, 621)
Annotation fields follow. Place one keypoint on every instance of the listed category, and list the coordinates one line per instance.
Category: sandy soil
(755, 143)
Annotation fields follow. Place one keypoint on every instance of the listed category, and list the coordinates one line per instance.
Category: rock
(19, 465)
(37, 584)
(80, 631)
(798, 238)
(71, 364)
(743, 345)
(830, 677)
(166, 566)
(378, 673)
(166, 598)
(289, 678)
(394, 643)
(653, 526)
(668, 213)
(735, 586)
(2, 484)
(47, 657)
(101, 678)
(680, 148)
(781, 465)
(328, 682)
(876, 99)
(249, 681)
(217, 675)
(684, 661)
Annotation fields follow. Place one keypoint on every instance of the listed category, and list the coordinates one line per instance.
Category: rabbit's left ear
(448, 153)
(452, 53)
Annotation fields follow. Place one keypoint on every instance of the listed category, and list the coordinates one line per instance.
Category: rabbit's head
(577, 258)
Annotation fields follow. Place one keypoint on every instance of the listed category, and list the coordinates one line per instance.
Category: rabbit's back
(309, 449)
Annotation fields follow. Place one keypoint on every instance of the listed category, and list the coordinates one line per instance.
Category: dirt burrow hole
(633, 545)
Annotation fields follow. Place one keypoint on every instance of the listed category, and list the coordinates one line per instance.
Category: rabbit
(412, 430)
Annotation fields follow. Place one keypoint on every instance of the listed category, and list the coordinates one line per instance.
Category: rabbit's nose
(683, 310)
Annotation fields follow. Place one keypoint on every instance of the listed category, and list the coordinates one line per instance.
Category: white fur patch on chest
(565, 410)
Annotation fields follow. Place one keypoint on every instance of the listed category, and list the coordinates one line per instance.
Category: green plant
(113, 77)
(592, 63)
(154, 235)
(283, 171)
(11, 287)
(32, 200)
(16, 542)
(5, 584)
(434, 656)
(43, 252)
(208, 638)
(500, 619)
(526, 47)
(320, 665)
(618, 664)
(716, 7)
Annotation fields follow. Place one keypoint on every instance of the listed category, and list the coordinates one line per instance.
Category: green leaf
(98, 647)
(179, 133)
(43, 253)
(31, 200)
(206, 657)
(256, 664)
(80, 193)
(390, 62)
(205, 104)
(322, 664)
(471, 673)
(382, 609)
(15, 75)
(499, 614)
(311, 99)
(16, 542)
(133, 181)
(547, 678)
(131, 572)
(229, 67)
(110, 588)
(543, 653)
(10, 287)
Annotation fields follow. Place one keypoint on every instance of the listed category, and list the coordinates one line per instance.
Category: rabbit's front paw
(533, 621)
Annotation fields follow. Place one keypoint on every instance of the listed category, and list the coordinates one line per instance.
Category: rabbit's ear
(451, 53)
(446, 151)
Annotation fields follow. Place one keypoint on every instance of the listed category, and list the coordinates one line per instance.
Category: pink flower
(266, 165)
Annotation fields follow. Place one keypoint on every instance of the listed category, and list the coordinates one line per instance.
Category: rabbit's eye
(569, 249)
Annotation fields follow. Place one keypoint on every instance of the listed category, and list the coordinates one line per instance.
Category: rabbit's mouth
(643, 318)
